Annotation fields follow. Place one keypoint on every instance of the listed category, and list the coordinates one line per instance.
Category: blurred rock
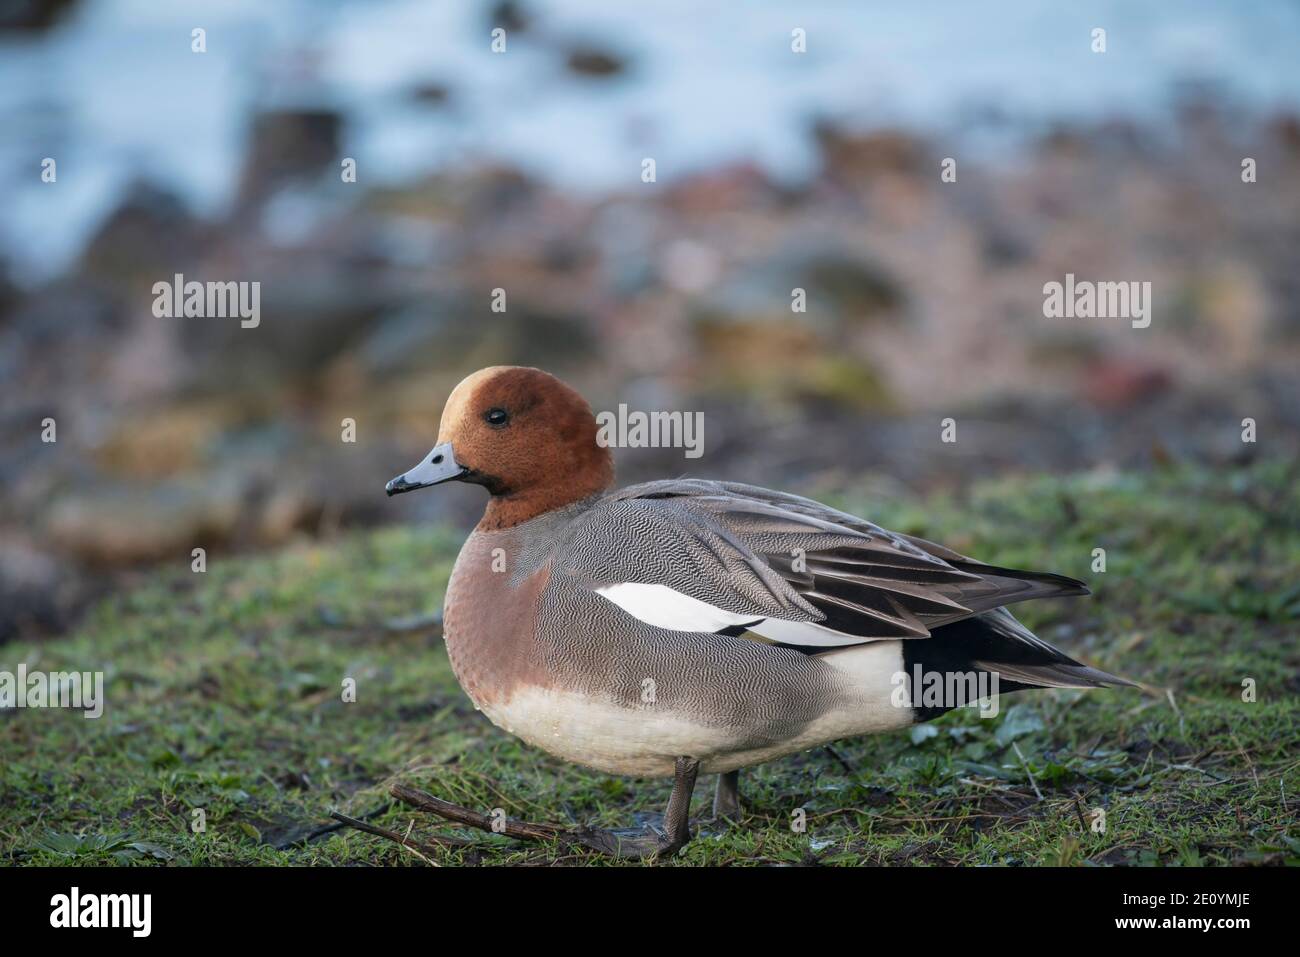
(510, 15)
(739, 186)
(495, 193)
(798, 365)
(430, 94)
(109, 523)
(286, 145)
(40, 326)
(594, 62)
(122, 524)
(9, 294)
(412, 337)
(29, 585)
(163, 443)
(310, 314)
(32, 15)
(858, 289)
(689, 266)
(1119, 383)
(147, 238)
(839, 290)
(854, 156)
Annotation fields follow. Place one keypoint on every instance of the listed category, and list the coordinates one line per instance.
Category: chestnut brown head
(522, 434)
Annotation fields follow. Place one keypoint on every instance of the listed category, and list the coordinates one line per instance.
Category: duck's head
(522, 434)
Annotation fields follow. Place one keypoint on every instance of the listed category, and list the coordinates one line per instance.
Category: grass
(224, 696)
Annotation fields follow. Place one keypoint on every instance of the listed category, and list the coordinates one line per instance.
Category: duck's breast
(490, 619)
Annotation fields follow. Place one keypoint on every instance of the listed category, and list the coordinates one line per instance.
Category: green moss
(224, 694)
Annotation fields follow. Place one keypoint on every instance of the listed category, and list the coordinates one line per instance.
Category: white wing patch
(807, 633)
(665, 607)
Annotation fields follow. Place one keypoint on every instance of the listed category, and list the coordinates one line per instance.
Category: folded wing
(732, 558)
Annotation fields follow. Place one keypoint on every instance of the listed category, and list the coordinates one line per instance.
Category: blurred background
(522, 171)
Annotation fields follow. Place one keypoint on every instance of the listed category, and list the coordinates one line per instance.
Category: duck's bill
(438, 466)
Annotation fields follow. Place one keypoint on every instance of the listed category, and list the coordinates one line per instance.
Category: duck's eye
(496, 417)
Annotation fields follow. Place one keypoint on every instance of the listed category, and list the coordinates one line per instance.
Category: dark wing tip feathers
(995, 642)
(1056, 675)
(1060, 586)
(1069, 586)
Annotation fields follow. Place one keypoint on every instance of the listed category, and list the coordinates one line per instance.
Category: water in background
(115, 94)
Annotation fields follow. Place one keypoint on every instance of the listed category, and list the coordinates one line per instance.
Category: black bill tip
(438, 466)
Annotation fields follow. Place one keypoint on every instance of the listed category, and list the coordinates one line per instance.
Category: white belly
(645, 742)
(605, 736)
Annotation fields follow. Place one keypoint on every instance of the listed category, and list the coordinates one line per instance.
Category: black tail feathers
(989, 651)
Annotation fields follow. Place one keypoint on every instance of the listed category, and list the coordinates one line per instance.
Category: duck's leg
(650, 841)
(677, 819)
(726, 799)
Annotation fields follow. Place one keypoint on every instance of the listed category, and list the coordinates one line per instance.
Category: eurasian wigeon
(685, 625)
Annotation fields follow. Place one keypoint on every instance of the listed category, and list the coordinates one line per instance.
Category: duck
(687, 626)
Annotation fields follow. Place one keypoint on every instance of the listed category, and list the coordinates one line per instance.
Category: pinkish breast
(489, 624)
